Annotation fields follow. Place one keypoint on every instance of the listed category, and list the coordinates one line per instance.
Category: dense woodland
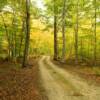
(67, 29)
(49, 49)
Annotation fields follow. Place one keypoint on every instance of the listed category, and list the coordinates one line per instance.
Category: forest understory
(50, 49)
(18, 83)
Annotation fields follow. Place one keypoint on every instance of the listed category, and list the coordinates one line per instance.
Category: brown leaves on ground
(19, 84)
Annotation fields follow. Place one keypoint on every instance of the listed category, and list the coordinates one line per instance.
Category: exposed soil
(61, 84)
(20, 84)
(45, 80)
(89, 72)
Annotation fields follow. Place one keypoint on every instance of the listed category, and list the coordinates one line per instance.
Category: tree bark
(7, 35)
(55, 32)
(76, 33)
(21, 37)
(63, 31)
(27, 33)
(95, 40)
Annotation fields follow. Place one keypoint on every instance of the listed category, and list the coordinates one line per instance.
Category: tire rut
(61, 85)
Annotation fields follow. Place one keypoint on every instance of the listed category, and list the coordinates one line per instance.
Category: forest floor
(18, 83)
(65, 84)
(46, 79)
(89, 72)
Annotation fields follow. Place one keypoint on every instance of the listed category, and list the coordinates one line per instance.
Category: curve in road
(62, 85)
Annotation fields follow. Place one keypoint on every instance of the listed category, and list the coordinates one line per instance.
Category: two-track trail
(62, 85)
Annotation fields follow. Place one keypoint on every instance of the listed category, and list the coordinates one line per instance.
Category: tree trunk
(7, 35)
(55, 33)
(21, 37)
(95, 40)
(76, 33)
(27, 33)
(63, 31)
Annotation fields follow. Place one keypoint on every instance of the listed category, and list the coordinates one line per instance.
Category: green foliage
(13, 27)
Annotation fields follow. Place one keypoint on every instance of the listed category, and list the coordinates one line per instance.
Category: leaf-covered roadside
(19, 84)
(89, 73)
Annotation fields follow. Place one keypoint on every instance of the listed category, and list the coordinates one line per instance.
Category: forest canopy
(66, 29)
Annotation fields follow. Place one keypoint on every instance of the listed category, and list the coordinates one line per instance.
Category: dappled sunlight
(49, 49)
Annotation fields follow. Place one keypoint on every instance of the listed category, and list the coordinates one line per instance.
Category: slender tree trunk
(21, 38)
(7, 35)
(88, 49)
(76, 33)
(81, 49)
(95, 40)
(55, 32)
(63, 31)
(13, 39)
(27, 33)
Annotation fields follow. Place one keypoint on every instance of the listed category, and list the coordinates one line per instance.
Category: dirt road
(62, 85)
